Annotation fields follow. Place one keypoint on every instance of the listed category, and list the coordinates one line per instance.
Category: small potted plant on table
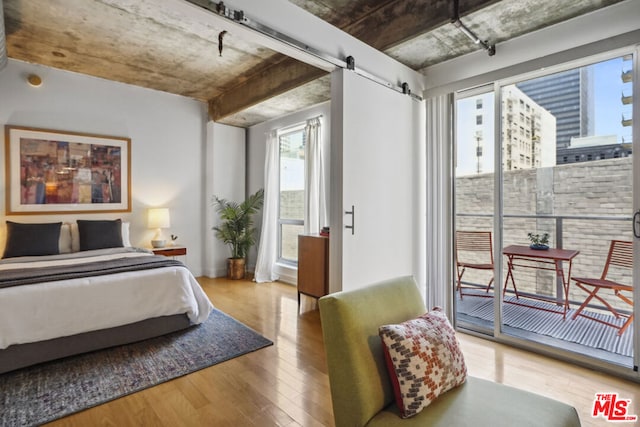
(236, 230)
(539, 242)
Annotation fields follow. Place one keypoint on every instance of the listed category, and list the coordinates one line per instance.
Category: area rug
(581, 330)
(52, 390)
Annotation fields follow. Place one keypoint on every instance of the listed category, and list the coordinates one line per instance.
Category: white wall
(256, 140)
(226, 179)
(167, 144)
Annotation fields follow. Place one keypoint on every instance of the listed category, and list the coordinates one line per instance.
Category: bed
(94, 291)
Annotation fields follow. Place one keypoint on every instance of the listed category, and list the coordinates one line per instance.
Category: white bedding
(54, 309)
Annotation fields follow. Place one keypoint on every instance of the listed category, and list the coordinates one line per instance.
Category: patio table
(550, 259)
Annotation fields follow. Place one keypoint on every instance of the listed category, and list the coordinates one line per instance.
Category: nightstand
(171, 251)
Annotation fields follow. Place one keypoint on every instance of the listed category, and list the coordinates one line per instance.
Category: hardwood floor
(286, 384)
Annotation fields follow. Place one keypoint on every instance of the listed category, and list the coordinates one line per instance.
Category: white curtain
(315, 206)
(439, 204)
(268, 248)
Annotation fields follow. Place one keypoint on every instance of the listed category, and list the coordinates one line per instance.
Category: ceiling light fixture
(491, 49)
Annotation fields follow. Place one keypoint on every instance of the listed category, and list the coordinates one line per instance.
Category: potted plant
(539, 242)
(236, 230)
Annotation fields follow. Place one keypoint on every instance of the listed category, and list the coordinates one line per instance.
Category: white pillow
(75, 236)
(125, 235)
(64, 244)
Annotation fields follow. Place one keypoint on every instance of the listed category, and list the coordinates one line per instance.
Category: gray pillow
(99, 234)
(32, 239)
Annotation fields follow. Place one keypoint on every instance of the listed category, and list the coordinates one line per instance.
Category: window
(478, 104)
(479, 119)
(291, 200)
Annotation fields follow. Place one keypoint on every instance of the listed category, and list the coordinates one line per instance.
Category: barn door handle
(636, 224)
(352, 212)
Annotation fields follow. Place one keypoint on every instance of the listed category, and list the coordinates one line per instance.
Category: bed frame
(22, 355)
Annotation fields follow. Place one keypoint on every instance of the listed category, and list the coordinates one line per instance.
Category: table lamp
(159, 219)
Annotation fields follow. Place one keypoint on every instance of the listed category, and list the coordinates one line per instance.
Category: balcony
(537, 315)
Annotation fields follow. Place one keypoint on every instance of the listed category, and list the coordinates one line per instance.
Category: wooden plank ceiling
(148, 44)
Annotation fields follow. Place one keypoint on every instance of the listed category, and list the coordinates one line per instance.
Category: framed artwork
(56, 172)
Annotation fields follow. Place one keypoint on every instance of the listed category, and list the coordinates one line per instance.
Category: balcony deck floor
(581, 335)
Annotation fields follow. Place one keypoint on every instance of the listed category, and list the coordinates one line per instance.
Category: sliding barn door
(376, 184)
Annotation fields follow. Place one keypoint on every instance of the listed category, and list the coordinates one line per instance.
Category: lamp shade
(159, 218)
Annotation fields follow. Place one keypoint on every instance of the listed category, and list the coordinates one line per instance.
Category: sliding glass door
(563, 175)
(474, 201)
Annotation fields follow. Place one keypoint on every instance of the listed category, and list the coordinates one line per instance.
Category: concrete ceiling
(146, 43)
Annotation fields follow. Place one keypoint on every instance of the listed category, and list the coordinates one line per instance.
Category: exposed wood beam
(402, 20)
(383, 28)
(274, 80)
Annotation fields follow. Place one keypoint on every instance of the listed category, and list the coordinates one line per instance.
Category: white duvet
(54, 309)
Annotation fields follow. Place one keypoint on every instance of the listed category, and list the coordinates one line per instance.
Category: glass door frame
(460, 95)
(498, 211)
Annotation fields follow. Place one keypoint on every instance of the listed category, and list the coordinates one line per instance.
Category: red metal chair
(620, 255)
(474, 250)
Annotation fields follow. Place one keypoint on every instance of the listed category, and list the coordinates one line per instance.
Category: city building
(569, 97)
(528, 132)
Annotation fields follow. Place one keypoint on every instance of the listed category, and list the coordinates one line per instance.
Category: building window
(479, 119)
(291, 200)
(478, 103)
(565, 159)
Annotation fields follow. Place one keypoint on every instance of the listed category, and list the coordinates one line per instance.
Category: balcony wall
(589, 189)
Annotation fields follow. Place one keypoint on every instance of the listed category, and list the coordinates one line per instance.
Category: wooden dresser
(313, 265)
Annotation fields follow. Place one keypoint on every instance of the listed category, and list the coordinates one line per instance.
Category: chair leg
(460, 273)
(592, 294)
(626, 325)
(489, 285)
(586, 301)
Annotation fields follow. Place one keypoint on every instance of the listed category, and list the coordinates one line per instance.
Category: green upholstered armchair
(362, 393)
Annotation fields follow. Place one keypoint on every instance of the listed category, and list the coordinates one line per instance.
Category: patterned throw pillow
(423, 359)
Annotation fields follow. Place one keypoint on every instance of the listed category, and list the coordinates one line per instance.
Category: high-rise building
(591, 146)
(528, 132)
(568, 96)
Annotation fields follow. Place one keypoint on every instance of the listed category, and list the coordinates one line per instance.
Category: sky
(608, 88)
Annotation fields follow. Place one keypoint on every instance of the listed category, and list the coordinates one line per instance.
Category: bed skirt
(22, 355)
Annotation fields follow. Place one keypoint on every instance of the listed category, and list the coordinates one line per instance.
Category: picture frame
(58, 172)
